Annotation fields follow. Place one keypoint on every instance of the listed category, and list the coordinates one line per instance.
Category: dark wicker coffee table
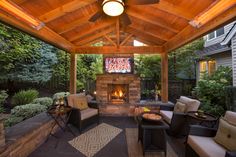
(152, 135)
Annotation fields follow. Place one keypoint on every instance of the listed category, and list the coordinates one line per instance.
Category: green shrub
(12, 120)
(3, 96)
(24, 97)
(211, 90)
(60, 95)
(45, 101)
(28, 110)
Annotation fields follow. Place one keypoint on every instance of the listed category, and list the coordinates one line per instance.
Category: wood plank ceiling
(159, 26)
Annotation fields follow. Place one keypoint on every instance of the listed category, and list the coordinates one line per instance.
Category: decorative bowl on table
(152, 116)
(200, 114)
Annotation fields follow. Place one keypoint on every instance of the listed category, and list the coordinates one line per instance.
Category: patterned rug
(135, 148)
(92, 141)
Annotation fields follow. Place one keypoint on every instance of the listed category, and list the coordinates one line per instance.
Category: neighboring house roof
(229, 35)
(219, 47)
(213, 49)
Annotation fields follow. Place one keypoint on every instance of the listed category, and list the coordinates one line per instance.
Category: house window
(211, 36)
(203, 66)
(220, 31)
(207, 66)
(211, 67)
(216, 33)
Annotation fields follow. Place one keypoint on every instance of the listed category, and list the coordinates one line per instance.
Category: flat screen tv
(118, 65)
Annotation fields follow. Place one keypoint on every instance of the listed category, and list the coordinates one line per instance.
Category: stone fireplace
(118, 89)
(117, 93)
(122, 88)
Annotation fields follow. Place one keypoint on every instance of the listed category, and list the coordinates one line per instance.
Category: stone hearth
(103, 87)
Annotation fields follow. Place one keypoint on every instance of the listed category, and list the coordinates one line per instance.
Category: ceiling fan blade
(125, 19)
(141, 2)
(96, 16)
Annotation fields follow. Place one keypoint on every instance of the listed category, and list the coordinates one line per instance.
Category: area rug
(135, 148)
(92, 141)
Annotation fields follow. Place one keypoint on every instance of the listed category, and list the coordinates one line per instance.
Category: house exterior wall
(227, 58)
(220, 38)
(233, 45)
(222, 59)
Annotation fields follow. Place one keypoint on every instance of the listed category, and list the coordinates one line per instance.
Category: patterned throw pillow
(81, 102)
(226, 135)
(180, 107)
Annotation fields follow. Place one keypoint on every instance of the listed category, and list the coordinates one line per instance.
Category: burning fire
(119, 93)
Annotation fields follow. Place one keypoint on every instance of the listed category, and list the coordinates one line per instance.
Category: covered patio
(163, 27)
(81, 27)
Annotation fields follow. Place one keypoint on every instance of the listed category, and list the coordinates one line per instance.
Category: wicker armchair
(83, 118)
(178, 121)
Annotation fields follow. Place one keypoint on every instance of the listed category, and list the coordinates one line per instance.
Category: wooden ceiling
(163, 26)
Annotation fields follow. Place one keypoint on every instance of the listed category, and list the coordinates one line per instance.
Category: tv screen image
(118, 65)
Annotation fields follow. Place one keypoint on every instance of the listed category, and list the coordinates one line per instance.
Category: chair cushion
(81, 103)
(206, 146)
(78, 101)
(192, 104)
(167, 115)
(230, 117)
(226, 135)
(87, 113)
(180, 107)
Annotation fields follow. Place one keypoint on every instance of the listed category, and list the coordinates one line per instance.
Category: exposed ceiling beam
(211, 12)
(69, 26)
(142, 28)
(120, 50)
(44, 33)
(93, 37)
(126, 40)
(62, 10)
(95, 27)
(144, 36)
(174, 10)
(190, 33)
(148, 18)
(117, 32)
(109, 40)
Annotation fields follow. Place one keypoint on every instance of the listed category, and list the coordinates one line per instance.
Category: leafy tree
(87, 68)
(23, 57)
(148, 66)
(61, 70)
(182, 61)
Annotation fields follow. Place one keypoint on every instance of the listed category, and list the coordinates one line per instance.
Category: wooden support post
(164, 77)
(73, 73)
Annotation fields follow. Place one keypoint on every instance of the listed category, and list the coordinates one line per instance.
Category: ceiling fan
(115, 8)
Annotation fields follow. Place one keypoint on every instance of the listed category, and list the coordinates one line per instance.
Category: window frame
(215, 34)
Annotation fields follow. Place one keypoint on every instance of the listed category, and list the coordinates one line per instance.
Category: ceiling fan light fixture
(113, 7)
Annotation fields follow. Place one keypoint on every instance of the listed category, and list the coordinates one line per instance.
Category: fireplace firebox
(118, 93)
